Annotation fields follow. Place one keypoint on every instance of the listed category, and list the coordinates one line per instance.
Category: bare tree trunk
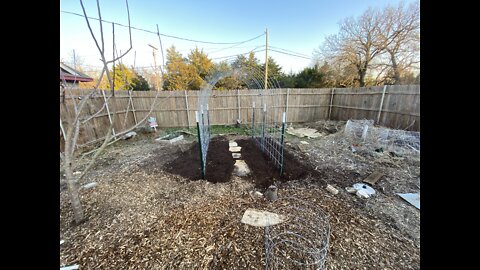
(361, 74)
(72, 185)
(396, 70)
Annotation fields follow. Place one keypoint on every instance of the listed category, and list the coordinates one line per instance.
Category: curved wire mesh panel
(302, 241)
(270, 129)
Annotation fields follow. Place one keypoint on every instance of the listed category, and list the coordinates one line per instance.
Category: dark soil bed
(220, 164)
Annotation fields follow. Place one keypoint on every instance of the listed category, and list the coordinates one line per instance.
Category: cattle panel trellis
(268, 129)
(400, 108)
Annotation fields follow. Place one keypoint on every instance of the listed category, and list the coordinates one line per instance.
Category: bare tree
(384, 41)
(356, 44)
(71, 127)
(401, 36)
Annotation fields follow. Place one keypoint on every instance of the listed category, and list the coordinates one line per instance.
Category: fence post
(286, 103)
(238, 104)
(108, 112)
(126, 113)
(381, 104)
(331, 103)
(186, 105)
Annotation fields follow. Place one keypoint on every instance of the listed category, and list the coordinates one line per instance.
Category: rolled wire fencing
(364, 133)
(302, 241)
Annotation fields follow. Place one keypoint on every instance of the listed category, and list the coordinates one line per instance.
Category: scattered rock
(256, 194)
(129, 135)
(62, 241)
(271, 193)
(236, 155)
(350, 190)
(172, 140)
(241, 168)
(304, 142)
(90, 185)
(303, 132)
(71, 267)
(176, 139)
(259, 218)
(235, 149)
(76, 173)
(332, 190)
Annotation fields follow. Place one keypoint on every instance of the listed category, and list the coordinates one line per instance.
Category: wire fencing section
(268, 126)
(302, 241)
(364, 133)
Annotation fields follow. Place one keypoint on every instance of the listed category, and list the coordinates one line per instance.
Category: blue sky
(298, 26)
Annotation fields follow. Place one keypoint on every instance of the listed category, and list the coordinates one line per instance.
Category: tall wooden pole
(266, 57)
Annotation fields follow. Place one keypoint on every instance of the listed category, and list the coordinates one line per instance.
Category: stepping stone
(236, 155)
(260, 218)
(232, 143)
(235, 149)
(241, 168)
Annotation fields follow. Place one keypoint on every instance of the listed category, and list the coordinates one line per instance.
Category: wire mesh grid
(202, 118)
(301, 242)
(398, 141)
(268, 126)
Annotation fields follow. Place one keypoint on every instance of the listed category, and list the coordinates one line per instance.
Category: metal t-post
(281, 142)
(205, 138)
(263, 125)
(200, 144)
(208, 123)
(253, 121)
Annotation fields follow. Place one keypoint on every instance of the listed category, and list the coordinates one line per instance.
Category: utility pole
(266, 58)
(155, 64)
(74, 60)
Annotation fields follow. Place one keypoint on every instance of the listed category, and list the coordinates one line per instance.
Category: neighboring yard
(147, 213)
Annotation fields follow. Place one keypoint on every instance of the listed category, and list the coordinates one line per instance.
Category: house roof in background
(71, 74)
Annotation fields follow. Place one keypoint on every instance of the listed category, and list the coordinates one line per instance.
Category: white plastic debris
(412, 198)
(62, 241)
(366, 188)
(76, 173)
(362, 194)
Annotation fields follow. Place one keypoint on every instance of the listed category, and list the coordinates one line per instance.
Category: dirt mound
(220, 164)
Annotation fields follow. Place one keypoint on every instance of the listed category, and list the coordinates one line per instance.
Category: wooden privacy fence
(394, 106)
